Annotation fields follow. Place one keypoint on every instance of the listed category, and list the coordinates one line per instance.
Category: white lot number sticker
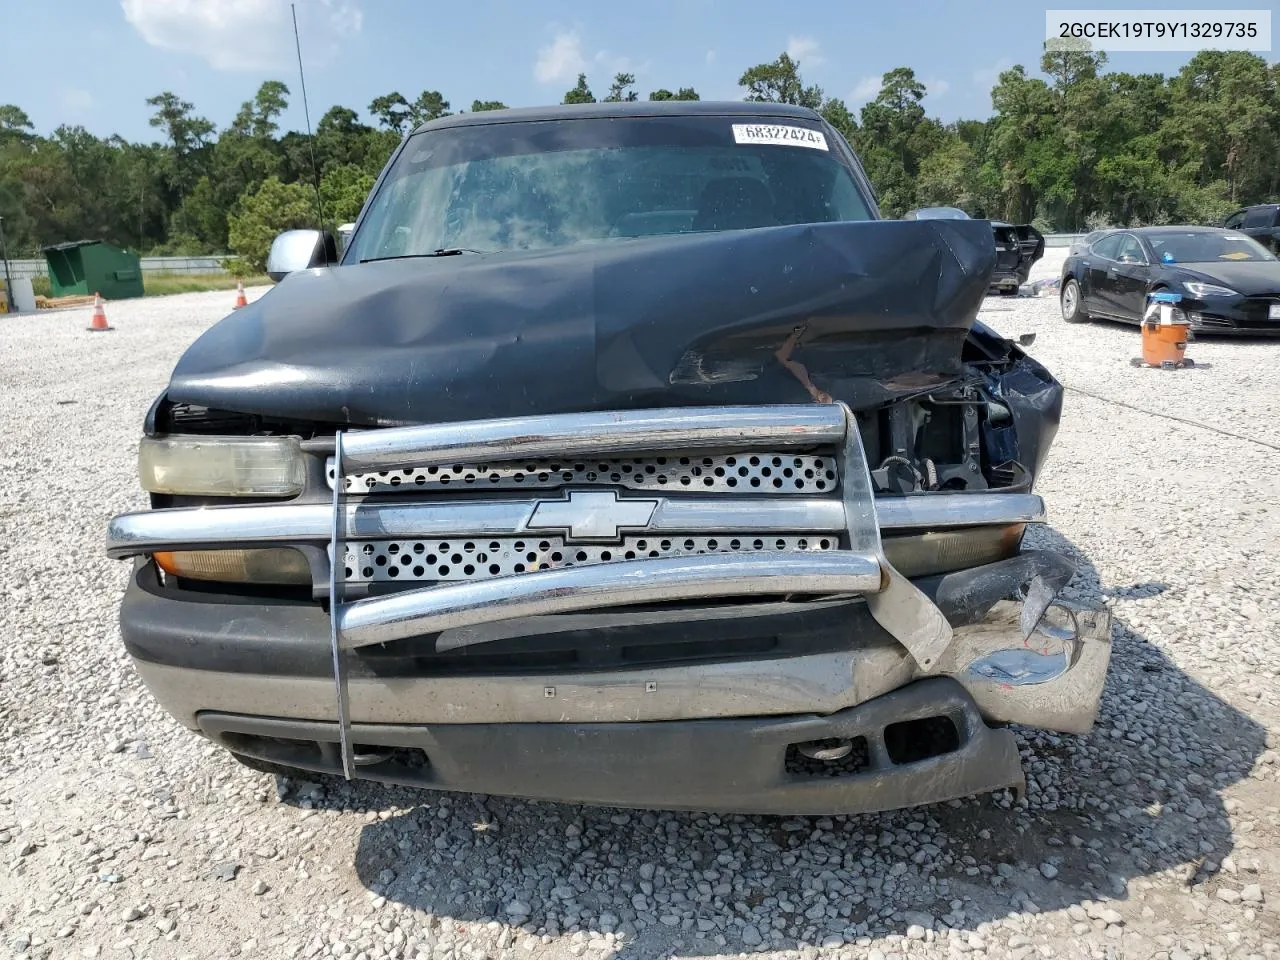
(779, 135)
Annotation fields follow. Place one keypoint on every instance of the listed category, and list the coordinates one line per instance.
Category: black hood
(1250, 277)
(857, 311)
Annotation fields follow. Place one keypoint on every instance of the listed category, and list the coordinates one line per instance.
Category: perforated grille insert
(408, 560)
(771, 473)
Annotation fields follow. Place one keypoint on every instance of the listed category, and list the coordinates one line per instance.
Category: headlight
(222, 466)
(1198, 288)
(271, 565)
(925, 554)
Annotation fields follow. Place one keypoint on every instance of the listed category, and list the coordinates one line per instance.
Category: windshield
(1173, 247)
(535, 185)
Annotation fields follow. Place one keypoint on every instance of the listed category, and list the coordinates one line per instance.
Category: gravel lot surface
(123, 835)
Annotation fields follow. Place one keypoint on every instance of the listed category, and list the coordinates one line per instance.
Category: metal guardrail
(210, 264)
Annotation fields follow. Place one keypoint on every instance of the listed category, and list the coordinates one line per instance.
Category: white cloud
(245, 34)
(935, 87)
(561, 59)
(867, 89)
(988, 77)
(805, 50)
(711, 56)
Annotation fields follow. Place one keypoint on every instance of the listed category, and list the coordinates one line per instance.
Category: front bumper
(255, 678)
(736, 765)
(1236, 316)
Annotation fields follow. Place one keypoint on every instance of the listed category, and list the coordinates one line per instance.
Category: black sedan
(1229, 282)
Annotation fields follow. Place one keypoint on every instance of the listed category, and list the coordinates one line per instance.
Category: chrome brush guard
(857, 567)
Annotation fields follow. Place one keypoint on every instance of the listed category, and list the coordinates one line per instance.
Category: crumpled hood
(854, 311)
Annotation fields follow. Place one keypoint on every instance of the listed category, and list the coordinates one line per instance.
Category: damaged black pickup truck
(627, 457)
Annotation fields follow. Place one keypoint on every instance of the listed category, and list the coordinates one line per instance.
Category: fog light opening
(833, 757)
(914, 740)
(831, 749)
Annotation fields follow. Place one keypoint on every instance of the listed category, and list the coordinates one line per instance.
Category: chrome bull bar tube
(335, 620)
(597, 433)
(178, 528)
(907, 614)
(432, 609)
(859, 569)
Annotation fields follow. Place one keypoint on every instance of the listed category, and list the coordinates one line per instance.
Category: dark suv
(1262, 222)
(626, 457)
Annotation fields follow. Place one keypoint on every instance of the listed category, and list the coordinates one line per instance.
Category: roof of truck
(638, 108)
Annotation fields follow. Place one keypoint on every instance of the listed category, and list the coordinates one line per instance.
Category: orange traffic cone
(241, 300)
(99, 323)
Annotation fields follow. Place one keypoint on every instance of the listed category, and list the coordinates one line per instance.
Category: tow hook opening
(322, 756)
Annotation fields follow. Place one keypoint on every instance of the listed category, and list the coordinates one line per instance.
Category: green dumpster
(93, 266)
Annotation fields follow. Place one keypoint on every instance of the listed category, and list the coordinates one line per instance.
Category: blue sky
(94, 62)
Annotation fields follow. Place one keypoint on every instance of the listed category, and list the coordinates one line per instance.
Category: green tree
(391, 111)
(581, 93)
(895, 137)
(257, 117)
(620, 91)
(340, 139)
(684, 93)
(1025, 147)
(200, 222)
(1224, 123)
(262, 213)
(188, 134)
(954, 176)
(1081, 102)
(837, 114)
(343, 191)
(139, 190)
(186, 131)
(245, 154)
(478, 105)
(15, 125)
(779, 82)
(430, 105)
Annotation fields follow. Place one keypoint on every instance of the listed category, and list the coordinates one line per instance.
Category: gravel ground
(122, 835)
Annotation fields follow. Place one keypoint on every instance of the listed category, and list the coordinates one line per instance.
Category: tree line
(1082, 149)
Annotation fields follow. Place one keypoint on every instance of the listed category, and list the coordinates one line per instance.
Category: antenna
(306, 111)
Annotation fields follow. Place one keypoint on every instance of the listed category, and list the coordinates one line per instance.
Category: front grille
(753, 472)
(677, 474)
(1257, 310)
(437, 560)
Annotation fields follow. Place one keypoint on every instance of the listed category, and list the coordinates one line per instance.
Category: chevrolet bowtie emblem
(591, 515)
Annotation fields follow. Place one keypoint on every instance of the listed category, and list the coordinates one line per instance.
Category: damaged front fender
(1025, 653)
(1051, 679)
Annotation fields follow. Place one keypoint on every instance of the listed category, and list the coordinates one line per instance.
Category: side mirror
(296, 250)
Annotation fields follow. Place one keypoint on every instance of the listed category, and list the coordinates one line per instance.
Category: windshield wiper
(443, 252)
